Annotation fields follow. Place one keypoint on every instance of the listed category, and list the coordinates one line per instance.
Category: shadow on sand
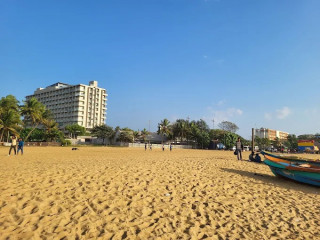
(276, 181)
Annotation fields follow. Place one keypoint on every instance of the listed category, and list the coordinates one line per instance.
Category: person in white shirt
(13, 145)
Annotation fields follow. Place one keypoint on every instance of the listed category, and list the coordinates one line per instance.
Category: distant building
(81, 104)
(271, 134)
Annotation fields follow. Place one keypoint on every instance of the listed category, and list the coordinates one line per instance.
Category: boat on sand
(298, 169)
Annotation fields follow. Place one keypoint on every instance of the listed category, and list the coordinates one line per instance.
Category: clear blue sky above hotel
(255, 63)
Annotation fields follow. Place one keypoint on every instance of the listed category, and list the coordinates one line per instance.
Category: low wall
(43, 144)
(30, 144)
(166, 146)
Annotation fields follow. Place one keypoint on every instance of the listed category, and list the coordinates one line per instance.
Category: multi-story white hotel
(271, 134)
(81, 104)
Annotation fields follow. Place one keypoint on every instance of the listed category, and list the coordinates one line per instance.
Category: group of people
(239, 149)
(150, 147)
(14, 145)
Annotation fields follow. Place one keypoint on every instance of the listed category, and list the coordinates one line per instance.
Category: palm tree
(182, 128)
(34, 112)
(277, 142)
(1, 122)
(9, 102)
(1, 125)
(136, 135)
(51, 128)
(164, 128)
(10, 121)
(144, 133)
(9, 115)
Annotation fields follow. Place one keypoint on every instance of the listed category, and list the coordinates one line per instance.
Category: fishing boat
(287, 159)
(298, 169)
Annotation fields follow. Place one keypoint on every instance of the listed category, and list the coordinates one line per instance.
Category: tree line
(291, 142)
(182, 131)
(31, 121)
(198, 133)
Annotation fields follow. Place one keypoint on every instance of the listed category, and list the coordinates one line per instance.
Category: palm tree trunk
(1, 135)
(31, 132)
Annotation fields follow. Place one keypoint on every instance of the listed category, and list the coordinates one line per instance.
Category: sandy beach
(122, 193)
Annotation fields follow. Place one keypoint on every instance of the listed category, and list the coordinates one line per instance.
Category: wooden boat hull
(299, 176)
(294, 164)
(289, 159)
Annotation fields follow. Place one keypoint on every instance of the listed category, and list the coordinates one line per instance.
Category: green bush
(65, 142)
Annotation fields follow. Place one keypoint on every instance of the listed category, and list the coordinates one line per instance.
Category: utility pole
(252, 139)
(149, 132)
(213, 123)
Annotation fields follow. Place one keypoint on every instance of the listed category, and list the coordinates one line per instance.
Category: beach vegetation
(144, 134)
(193, 132)
(38, 123)
(104, 132)
(37, 135)
(136, 136)
(165, 129)
(75, 130)
(50, 126)
(40, 119)
(65, 142)
(199, 135)
(228, 126)
(276, 143)
(227, 138)
(217, 134)
(126, 135)
(230, 139)
(33, 112)
(181, 129)
(10, 122)
(292, 142)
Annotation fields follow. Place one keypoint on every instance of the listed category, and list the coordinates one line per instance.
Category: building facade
(81, 104)
(271, 134)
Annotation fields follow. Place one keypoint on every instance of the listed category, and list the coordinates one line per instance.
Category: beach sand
(122, 193)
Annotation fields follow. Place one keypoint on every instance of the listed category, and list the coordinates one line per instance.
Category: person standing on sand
(13, 145)
(162, 147)
(145, 146)
(170, 147)
(239, 148)
(151, 146)
(20, 146)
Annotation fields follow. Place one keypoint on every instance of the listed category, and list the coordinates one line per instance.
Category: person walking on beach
(13, 145)
(150, 146)
(239, 148)
(162, 147)
(170, 147)
(20, 146)
(145, 146)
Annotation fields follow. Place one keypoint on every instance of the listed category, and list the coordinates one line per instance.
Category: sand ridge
(123, 193)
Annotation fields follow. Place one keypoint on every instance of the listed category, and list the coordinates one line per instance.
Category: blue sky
(254, 63)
